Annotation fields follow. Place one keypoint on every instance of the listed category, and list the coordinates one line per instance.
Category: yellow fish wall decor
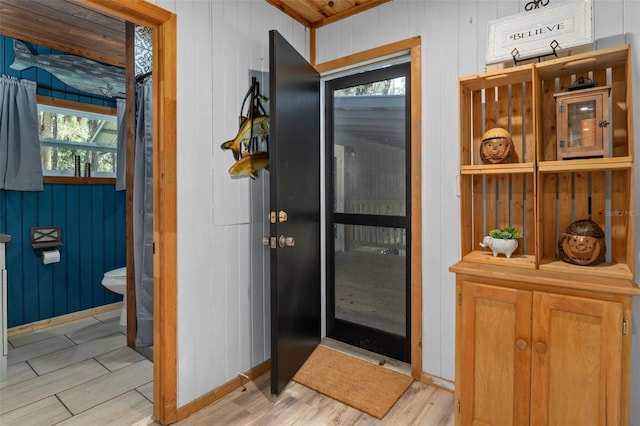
(251, 127)
(250, 164)
(251, 145)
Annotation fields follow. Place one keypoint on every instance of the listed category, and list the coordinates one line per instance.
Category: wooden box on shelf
(495, 196)
(571, 187)
(583, 120)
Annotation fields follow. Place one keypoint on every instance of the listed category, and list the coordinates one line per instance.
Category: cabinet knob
(540, 347)
(522, 344)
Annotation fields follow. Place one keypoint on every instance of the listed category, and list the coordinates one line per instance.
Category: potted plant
(502, 241)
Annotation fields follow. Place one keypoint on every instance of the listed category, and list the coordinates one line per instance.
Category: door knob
(286, 241)
(522, 344)
(540, 347)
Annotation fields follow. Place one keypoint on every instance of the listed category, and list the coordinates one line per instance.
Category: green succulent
(509, 233)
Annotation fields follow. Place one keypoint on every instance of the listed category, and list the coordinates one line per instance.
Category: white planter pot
(498, 245)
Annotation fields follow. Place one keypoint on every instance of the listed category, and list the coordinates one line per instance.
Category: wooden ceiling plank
(36, 22)
(312, 9)
(57, 15)
(350, 12)
(88, 45)
(289, 11)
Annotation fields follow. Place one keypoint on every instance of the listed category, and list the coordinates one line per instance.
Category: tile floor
(79, 373)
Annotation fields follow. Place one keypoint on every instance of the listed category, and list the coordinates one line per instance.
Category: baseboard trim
(62, 319)
(437, 382)
(222, 390)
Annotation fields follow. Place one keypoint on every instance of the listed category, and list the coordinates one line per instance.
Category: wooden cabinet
(530, 355)
(494, 355)
(538, 340)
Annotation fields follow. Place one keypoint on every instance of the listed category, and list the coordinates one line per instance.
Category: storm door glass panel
(367, 133)
(369, 142)
(370, 277)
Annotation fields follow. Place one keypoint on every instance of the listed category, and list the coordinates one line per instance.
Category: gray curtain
(143, 214)
(20, 167)
(121, 150)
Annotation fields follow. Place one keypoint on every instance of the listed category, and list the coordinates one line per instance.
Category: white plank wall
(223, 294)
(454, 37)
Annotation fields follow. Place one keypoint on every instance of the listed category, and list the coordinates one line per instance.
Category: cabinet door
(494, 355)
(577, 361)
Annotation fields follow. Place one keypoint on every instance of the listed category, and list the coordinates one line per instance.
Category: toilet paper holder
(45, 238)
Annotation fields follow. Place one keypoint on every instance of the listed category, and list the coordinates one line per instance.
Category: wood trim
(368, 55)
(164, 26)
(165, 226)
(222, 390)
(312, 47)
(416, 210)
(130, 135)
(413, 45)
(80, 106)
(62, 319)
(438, 382)
(75, 180)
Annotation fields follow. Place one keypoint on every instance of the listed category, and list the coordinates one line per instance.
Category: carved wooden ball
(496, 146)
(582, 244)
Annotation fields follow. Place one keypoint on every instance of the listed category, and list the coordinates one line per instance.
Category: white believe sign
(532, 34)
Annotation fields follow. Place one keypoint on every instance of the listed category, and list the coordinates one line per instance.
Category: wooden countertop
(547, 278)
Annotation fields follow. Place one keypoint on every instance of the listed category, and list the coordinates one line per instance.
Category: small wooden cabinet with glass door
(583, 121)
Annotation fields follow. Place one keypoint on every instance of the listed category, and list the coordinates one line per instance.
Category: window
(66, 133)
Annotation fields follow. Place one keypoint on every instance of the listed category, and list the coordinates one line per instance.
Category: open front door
(294, 157)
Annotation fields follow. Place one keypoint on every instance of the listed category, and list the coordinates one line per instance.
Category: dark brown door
(294, 157)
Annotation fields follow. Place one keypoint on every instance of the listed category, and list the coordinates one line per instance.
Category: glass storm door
(368, 229)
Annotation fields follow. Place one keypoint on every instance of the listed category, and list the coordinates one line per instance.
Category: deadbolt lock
(282, 216)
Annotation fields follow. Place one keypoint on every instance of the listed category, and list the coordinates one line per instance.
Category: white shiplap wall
(223, 292)
(453, 35)
(223, 300)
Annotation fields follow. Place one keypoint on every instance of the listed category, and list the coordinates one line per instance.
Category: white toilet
(116, 281)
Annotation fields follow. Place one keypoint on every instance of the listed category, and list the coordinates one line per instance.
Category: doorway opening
(368, 184)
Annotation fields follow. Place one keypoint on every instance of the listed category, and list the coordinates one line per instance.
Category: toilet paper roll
(50, 256)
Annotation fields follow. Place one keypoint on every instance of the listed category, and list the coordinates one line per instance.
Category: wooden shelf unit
(520, 321)
(537, 193)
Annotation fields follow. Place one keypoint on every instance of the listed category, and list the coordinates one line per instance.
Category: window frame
(82, 107)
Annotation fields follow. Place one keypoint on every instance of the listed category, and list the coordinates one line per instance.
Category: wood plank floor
(298, 405)
(78, 373)
(82, 373)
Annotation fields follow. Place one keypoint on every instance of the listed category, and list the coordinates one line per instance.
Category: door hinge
(458, 406)
(460, 298)
(561, 108)
(625, 326)
(153, 248)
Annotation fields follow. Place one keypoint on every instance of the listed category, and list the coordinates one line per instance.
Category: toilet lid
(115, 273)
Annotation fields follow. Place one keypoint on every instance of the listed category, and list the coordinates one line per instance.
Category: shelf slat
(486, 169)
(486, 257)
(614, 270)
(592, 164)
